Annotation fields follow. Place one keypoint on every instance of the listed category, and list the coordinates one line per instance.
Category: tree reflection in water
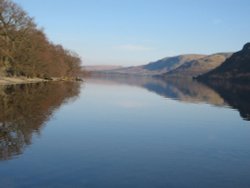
(25, 108)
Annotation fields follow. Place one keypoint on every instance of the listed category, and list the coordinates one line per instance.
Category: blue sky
(133, 32)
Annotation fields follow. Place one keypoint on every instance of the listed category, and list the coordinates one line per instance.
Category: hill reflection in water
(236, 94)
(225, 94)
(25, 109)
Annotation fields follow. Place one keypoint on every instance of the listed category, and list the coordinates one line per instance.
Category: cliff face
(237, 67)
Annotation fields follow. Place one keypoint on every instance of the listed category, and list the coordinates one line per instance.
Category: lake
(125, 132)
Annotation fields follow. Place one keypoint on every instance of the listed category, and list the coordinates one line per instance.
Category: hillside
(237, 67)
(158, 67)
(178, 66)
(171, 63)
(199, 66)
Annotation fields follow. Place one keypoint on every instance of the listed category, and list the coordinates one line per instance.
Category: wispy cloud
(134, 47)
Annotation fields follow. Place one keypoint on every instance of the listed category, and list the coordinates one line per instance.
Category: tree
(14, 26)
(25, 49)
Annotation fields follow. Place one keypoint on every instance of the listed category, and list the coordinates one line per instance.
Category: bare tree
(25, 49)
(14, 25)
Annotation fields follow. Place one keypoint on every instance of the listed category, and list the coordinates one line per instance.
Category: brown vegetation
(26, 51)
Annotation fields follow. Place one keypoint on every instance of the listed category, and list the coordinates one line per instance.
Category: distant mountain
(158, 67)
(178, 66)
(171, 63)
(237, 67)
(199, 66)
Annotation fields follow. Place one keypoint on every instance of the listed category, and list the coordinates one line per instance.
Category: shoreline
(19, 80)
(24, 80)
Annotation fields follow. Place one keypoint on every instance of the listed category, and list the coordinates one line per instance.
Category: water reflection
(234, 95)
(25, 108)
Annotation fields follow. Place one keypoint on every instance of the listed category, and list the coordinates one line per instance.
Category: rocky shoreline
(24, 80)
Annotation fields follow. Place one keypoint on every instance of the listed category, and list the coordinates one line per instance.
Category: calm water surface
(126, 132)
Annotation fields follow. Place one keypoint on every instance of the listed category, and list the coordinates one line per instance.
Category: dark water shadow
(235, 94)
(24, 109)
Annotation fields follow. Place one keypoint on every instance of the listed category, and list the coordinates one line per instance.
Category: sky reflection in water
(125, 133)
